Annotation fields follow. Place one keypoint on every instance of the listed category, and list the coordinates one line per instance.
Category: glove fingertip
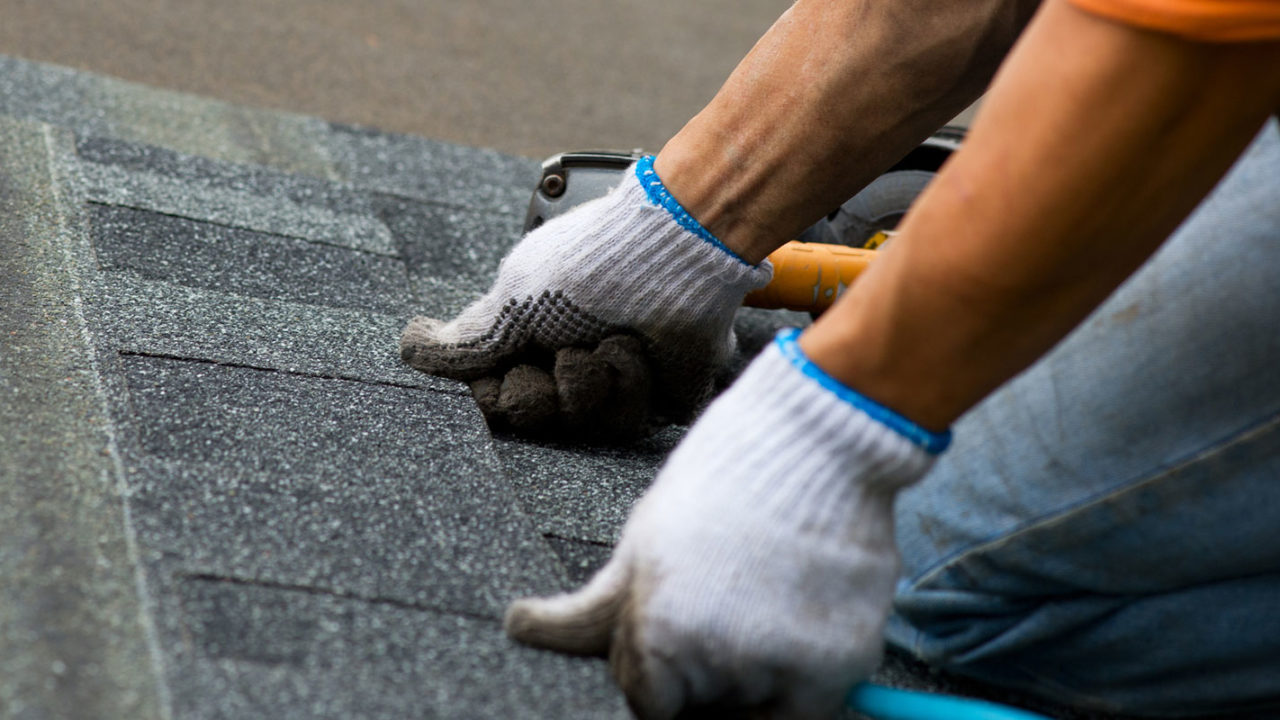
(418, 335)
(521, 620)
(486, 391)
(581, 622)
(527, 398)
(552, 624)
(582, 383)
(420, 330)
(631, 412)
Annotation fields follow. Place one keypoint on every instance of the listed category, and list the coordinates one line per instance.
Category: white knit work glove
(632, 268)
(758, 571)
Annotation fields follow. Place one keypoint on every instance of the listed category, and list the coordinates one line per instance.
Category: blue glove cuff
(932, 442)
(660, 196)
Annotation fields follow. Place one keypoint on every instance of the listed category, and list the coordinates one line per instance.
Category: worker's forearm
(834, 93)
(1095, 140)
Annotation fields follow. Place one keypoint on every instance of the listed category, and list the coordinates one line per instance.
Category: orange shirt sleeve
(1204, 20)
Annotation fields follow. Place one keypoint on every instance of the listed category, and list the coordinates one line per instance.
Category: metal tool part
(572, 178)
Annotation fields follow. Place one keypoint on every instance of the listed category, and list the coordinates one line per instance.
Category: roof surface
(224, 495)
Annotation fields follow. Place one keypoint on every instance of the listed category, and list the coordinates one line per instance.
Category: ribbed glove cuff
(819, 448)
(787, 342)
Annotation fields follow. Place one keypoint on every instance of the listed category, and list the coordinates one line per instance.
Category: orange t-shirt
(1205, 20)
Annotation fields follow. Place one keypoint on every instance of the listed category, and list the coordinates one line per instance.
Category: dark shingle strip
(204, 172)
(245, 262)
(267, 652)
(431, 170)
(245, 208)
(582, 493)
(158, 318)
(371, 490)
(452, 254)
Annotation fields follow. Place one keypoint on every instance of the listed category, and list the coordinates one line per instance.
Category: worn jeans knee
(1102, 531)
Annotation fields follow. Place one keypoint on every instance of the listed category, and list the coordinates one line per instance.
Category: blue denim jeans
(1105, 530)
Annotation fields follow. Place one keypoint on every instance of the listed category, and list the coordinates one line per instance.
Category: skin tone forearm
(1094, 142)
(832, 96)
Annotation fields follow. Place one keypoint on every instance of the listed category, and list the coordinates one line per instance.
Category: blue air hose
(885, 703)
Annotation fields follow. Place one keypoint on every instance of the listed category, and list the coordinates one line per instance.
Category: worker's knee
(1203, 650)
(1101, 532)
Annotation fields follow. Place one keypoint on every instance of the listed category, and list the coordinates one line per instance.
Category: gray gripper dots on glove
(547, 321)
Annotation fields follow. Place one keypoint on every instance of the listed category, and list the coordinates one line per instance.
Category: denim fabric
(1105, 529)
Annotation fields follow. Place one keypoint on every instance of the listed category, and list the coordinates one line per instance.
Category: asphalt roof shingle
(320, 530)
(73, 627)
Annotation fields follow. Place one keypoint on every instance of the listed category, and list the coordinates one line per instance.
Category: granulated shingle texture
(289, 653)
(451, 253)
(319, 530)
(134, 161)
(159, 318)
(207, 255)
(143, 177)
(583, 492)
(73, 628)
(442, 173)
(369, 490)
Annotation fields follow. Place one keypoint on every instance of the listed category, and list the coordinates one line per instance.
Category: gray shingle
(92, 104)
(452, 254)
(157, 318)
(270, 652)
(430, 170)
(219, 257)
(581, 559)
(249, 205)
(188, 170)
(583, 493)
(372, 490)
(73, 628)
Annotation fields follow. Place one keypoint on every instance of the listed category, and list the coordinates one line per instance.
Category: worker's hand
(757, 572)
(620, 267)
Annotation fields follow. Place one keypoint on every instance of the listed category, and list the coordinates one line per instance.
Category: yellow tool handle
(809, 276)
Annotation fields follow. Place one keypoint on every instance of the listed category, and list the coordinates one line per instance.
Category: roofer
(1101, 532)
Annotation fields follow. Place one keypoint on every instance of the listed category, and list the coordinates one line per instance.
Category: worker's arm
(832, 95)
(1096, 140)
(836, 92)
(758, 570)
